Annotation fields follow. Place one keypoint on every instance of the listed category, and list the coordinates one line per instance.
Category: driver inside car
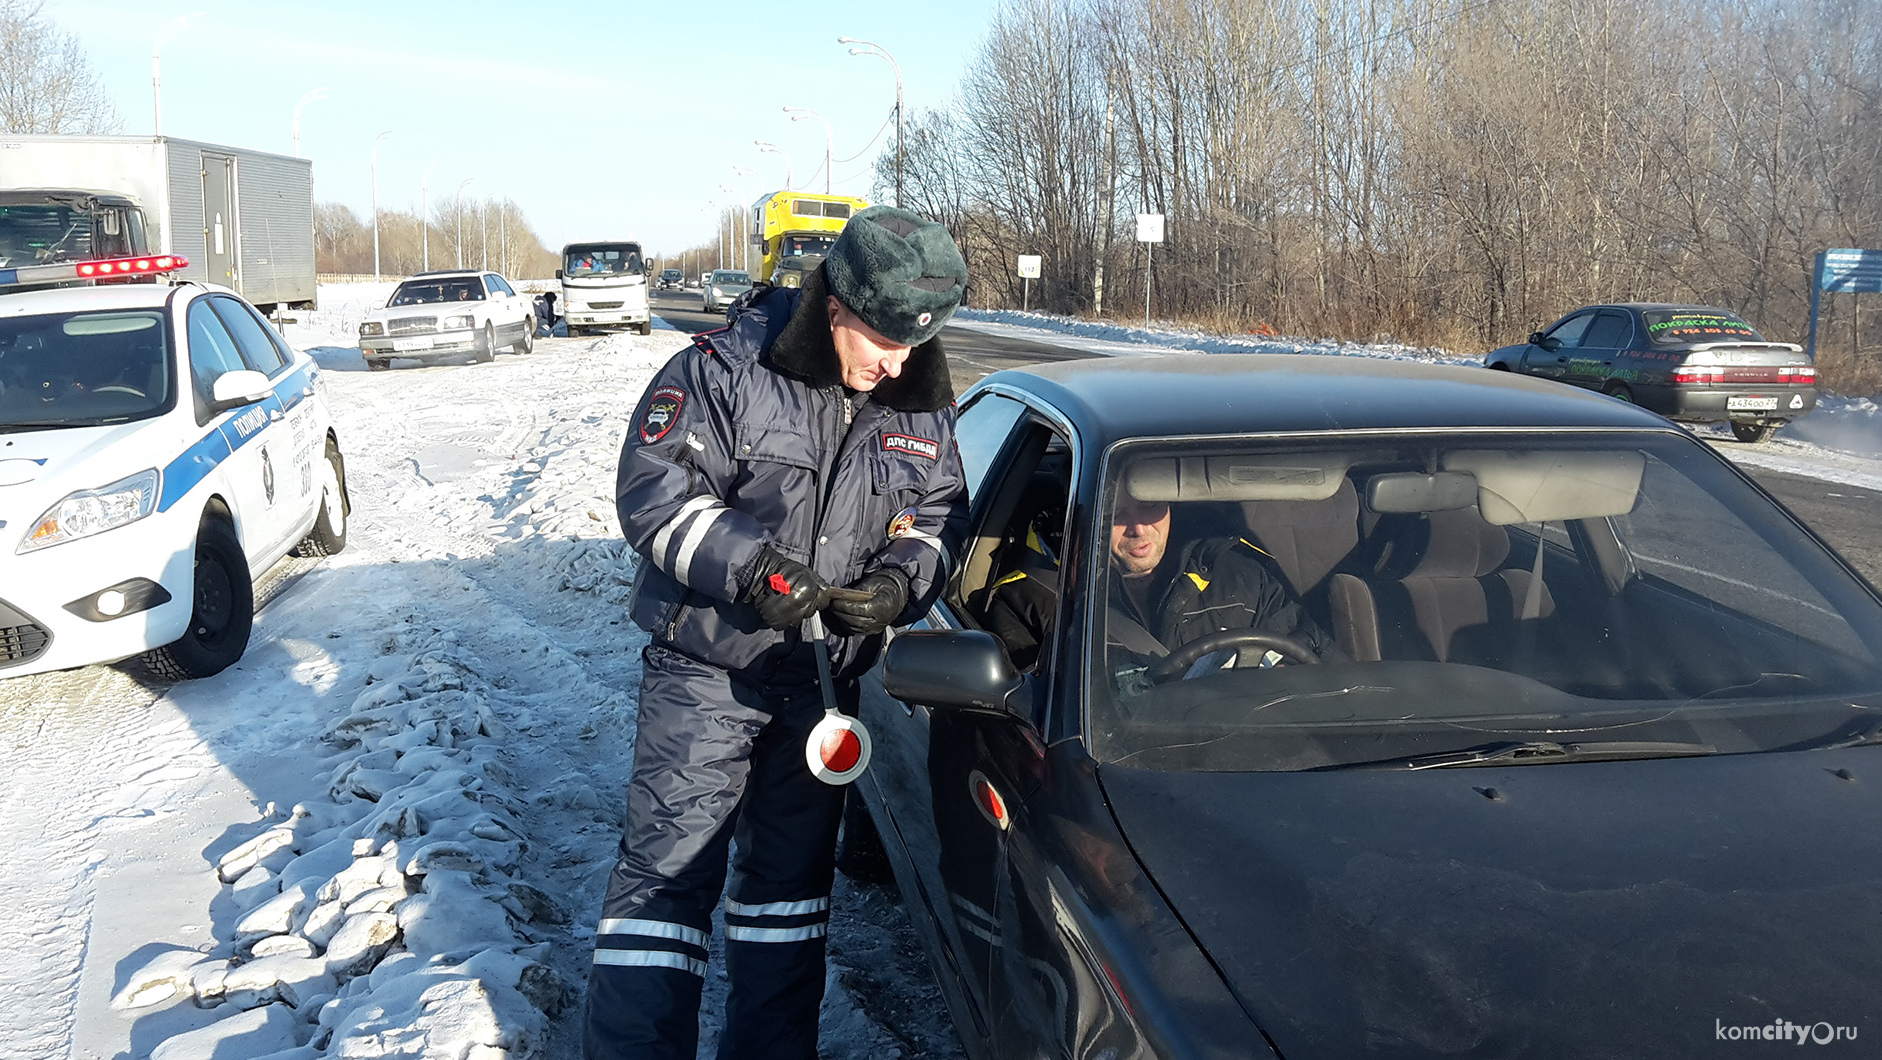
(1163, 598)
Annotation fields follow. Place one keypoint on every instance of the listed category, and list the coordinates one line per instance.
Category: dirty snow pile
(387, 915)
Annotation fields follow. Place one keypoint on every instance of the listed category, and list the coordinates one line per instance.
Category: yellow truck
(796, 229)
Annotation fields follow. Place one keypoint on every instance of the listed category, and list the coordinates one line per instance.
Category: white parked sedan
(449, 314)
(160, 446)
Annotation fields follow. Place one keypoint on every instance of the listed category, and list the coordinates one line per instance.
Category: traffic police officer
(808, 446)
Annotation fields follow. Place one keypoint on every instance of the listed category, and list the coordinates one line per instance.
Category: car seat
(1439, 592)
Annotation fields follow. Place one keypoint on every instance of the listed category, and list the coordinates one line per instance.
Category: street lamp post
(774, 149)
(829, 140)
(884, 53)
(424, 221)
(458, 208)
(156, 62)
(375, 203)
(318, 93)
(738, 228)
(483, 216)
(743, 172)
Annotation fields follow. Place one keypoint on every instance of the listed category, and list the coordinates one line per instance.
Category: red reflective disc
(990, 801)
(840, 750)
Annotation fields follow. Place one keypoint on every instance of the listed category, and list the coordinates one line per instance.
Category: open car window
(1460, 591)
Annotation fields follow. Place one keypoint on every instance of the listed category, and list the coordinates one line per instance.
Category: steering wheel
(1185, 656)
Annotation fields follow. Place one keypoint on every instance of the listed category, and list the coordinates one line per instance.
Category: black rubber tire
(574, 332)
(375, 364)
(223, 612)
(1620, 392)
(859, 852)
(326, 537)
(1753, 433)
(646, 326)
(527, 343)
(486, 350)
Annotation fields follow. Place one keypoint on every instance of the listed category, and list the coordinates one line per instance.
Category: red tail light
(1699, 374)
(1805, 374)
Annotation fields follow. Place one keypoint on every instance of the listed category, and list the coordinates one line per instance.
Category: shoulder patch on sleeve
(663, 411)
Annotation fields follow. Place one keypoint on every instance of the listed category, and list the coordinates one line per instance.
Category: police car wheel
(859, 852)
(329, 531)
(222, 614)
(487, 346)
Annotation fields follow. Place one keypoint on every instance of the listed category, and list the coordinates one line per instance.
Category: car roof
(1113, 398)
(435, 273)
(1690, 307)
(79, 299)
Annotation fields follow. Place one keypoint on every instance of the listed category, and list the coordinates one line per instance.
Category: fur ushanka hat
(902, 274)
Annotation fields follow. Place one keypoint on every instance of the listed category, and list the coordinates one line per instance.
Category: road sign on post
(1149, 233)
(1843, 271)
(1028, 271)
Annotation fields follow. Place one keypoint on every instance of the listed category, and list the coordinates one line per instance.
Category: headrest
(1303, 477)
(1461, 545)
(1534, 487)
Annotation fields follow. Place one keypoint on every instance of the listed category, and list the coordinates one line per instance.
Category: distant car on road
(1580, 702)
(448, 314)
(160, 447)
(723, 286)
(669, 279)
(1695, 363)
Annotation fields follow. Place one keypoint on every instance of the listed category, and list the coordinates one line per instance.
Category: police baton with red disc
(837, 750)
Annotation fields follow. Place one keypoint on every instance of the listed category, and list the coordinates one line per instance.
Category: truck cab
(796, 230)
(604, 286)
(44, 226)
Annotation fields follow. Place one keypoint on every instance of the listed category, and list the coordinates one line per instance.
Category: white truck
(244, 219)
(604, 285)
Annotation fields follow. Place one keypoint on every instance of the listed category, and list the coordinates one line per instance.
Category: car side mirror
(967, 669)
(1535, 338)
(238, 388)
(558, 274)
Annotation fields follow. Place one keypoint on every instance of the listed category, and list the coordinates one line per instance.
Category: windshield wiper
(1868, 731)
(27, 425)
(1532, 752)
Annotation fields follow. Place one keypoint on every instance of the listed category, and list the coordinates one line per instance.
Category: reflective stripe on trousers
(716, 763)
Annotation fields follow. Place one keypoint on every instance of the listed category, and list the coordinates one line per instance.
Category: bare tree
(46, 84)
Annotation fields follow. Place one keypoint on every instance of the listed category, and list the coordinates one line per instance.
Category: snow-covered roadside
(1839, 441)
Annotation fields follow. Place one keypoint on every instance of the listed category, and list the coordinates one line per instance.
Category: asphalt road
(1845, 516)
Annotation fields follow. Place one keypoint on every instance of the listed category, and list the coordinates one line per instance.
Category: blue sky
(600, 120)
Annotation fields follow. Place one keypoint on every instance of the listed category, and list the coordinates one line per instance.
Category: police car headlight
(459, 322)
(95, 511)
(372, 327)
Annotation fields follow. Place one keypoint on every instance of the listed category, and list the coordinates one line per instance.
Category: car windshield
(731, 279)
(670, 274)
(603, 259)
(1460, 592)
(1684, 327)
(429, 292)
(83, 369)
(799, 246)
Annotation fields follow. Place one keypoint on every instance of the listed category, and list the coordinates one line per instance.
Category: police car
(160, 446)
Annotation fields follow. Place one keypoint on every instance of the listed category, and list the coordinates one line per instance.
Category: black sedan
(1578, 767)
(1686, 362)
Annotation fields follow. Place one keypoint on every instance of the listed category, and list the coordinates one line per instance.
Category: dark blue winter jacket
(747, 438)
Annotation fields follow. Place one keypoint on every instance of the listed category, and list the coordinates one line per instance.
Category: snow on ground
(387, 830)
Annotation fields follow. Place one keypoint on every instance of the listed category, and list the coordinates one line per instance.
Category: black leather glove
(785, 591)
(888, 595)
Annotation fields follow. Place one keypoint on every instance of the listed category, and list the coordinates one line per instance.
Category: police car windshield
(429, 292)
(83, 369)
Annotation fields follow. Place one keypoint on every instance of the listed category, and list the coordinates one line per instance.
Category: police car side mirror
(238, 388)
(967, 669)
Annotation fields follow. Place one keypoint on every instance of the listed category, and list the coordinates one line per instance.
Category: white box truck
(244, 219)
(604, 286)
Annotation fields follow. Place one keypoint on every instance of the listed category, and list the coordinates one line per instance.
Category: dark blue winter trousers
(717, 762)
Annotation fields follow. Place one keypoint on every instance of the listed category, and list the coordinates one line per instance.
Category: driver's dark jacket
(746, 439)
(1218, 583)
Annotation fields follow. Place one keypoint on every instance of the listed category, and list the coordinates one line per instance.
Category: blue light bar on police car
(143, 265)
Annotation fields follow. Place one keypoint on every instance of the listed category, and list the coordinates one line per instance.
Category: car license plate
(1750, 404)
(424, 343)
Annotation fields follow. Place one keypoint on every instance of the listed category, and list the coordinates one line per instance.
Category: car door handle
(1561, 360)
